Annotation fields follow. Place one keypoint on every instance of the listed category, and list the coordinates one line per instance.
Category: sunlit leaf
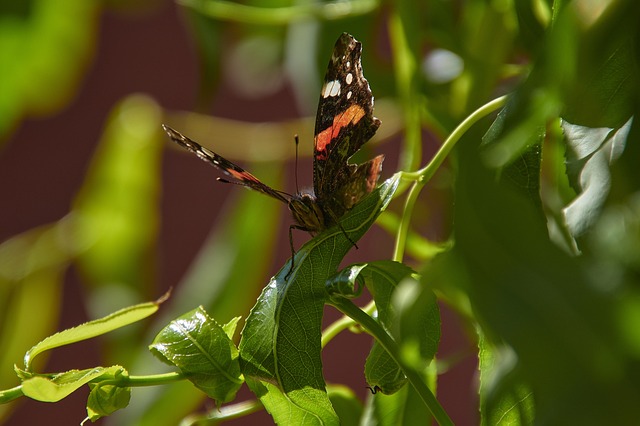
(281, 338)
(204, 353)
(418, 323)
(504, 398)
(380, 369)
(104, 400)
(590, 153)
(346, 403)
(219, 279)
(92, 329)
(61, 385)
(400, 409)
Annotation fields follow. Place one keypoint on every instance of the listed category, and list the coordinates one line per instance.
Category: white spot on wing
(349, 95)
(331, 88)
(349, 78)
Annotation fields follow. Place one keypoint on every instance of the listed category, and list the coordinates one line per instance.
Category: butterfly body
(344, 122)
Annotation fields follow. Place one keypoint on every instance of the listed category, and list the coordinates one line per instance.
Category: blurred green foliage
(44, 50)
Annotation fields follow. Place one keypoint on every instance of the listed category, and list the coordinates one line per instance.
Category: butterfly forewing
(344, 122)
(240, 175)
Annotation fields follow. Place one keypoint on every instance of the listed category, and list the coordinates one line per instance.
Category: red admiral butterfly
(344, 122)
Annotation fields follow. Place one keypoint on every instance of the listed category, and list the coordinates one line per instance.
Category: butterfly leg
(335, 219)
(293, 251)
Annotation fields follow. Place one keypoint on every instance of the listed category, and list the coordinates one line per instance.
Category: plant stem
(228, 412)
(139, 381)
(422, 176)
(372, 327)
(403, 230)
(427, 172)
(9, 395)
(236, 12)
(335, 328)
(343, 323)
(155, 379)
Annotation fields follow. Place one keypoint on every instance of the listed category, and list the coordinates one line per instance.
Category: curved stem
(227, 412)
(403, 230)
(343, 323)
(139, 381)
(427, 172)
(422, 176)
(154, 379)
(236, 12)
(372, 327)
(335, 328)
(9, 395)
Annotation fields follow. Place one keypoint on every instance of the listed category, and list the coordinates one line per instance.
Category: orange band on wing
(242, 176)
(351, 116)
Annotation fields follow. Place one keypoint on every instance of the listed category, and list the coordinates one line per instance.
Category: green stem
(241, 13)
(403, 230)
(403, 25)
(139, 381)
(422, 176)
(343, 323)
(427, 172)
(334, 329)
(372, 327)
(9, 395)
(227, 412)
(155, 379)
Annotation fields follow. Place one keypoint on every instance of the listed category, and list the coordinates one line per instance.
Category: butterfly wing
(344, 122)
(241, 176)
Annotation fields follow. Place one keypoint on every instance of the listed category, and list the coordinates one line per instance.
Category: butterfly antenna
(297, 142)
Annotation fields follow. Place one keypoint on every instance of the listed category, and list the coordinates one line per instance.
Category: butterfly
(344, 122)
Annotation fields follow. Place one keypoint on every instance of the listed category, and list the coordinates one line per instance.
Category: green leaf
(549, 307)
(91, 329)
(104, 400)
(409, 313)
(523, 171)
(381, 278)
(346, 403)
(590, 153)
(219, 279)
(504, 398)
(230, 327)
(345, 282)
(304, 406)
(203, 351)
(56, 387)
(382, 372)
(603, 91)
(417, 327)
(281, 339)
(400, 409)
